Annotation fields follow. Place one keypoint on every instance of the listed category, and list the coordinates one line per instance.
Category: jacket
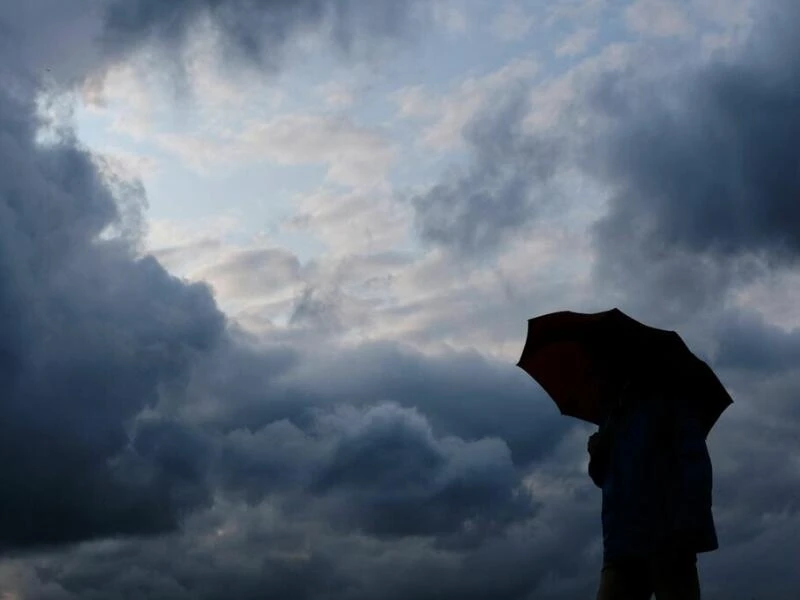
(653, 467)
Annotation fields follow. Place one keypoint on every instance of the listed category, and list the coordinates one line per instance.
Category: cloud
(396, 484)
(244, 278)
(413, 102)
(101, 34)
(338, 95)
(574, 11)
(747, 343)
(259, 31)
(37, 34)
(522, 139)
(513, 23)
(699, 172)
(702, 190)
(387, 474)
(475, 209)
(661, 18)
(245, 549)
(576, 42)
(439, 302)
(451, 16)
(736, 13)
(354, 222)
(302, 466)
(91, 335)
(318, 309)
(239, 387)
(95, 334)
(702, 167)
(771, 297)
(354, 155)
(451, 113)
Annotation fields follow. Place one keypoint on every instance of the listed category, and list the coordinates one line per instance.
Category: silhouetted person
(650, 459)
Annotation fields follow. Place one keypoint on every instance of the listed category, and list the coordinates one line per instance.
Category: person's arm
(598, 458)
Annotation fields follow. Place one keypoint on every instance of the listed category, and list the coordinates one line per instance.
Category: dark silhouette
(655, 402)
(583, 359)
(650, 459)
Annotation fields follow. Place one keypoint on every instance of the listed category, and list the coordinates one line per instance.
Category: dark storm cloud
(380, 470)
(381, 440)
(66, 43)
(748, 343)
(315, 546)
(704, 168)
(94, 336)
(308, 547)
(474, 210)
(48, 39)
(710, 164)
(126, 407)
(90, 333)
(270, 556)
(701, 161)
(388, 474)
(317, 308)
(461, 394)
(258, 30)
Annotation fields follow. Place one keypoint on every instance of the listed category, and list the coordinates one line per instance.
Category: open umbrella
(582, 360)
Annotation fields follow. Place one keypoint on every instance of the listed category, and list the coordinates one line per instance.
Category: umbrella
(582, 360)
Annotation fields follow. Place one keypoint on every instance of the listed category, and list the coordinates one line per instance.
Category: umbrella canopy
(582, 360)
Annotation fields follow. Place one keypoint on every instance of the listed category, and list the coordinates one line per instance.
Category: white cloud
(513, 23)
(733, 18)
(380, 291)
(437, 303)
(254, 281)
(575, 11)
(553, 99)
(337, 94)
(259, 284)
(184, 247)
(577, 42)
(128, 95)
(452, 112)
(136, 165)
(354, 155)
(353, 222)
(414, 102)
(717, 41)
(660, 18)
(728, 13)
(252, 273)
(141, 101)
(773, 297)
(451, 15)
(459, 108)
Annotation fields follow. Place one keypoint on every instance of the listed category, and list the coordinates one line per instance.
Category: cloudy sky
(265, 269)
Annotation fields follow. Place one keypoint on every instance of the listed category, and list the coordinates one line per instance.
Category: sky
(266, 268)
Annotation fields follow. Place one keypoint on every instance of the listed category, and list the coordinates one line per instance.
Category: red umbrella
(582, 360)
